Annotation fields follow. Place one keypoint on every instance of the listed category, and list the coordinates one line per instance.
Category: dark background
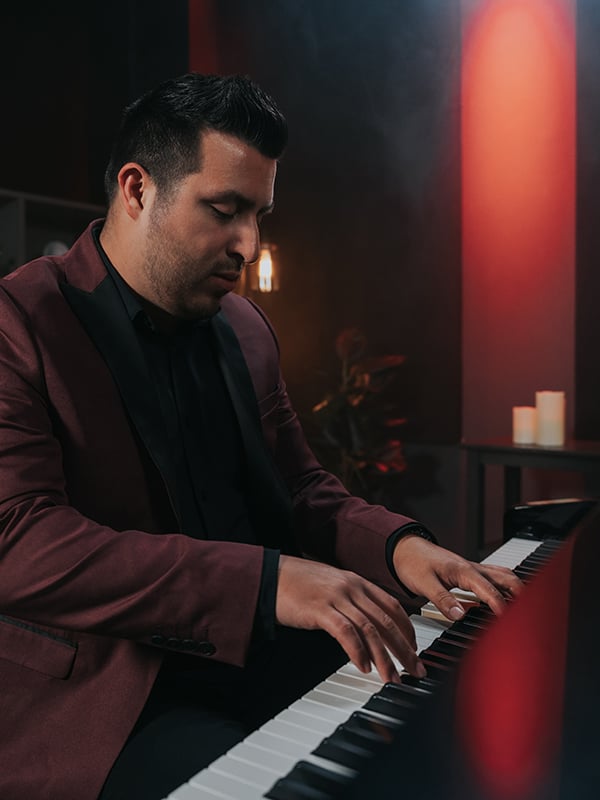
(368, 200)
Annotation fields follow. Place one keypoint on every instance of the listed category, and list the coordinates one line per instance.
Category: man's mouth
(227, 279)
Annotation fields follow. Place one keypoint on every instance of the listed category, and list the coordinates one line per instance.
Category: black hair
(160, 131)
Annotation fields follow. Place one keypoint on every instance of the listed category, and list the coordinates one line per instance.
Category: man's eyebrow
(240, 200)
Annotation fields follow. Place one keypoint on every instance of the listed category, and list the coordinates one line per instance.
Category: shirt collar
(132, 304)
(136, 312)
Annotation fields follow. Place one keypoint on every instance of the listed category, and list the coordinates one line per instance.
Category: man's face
(201, 233)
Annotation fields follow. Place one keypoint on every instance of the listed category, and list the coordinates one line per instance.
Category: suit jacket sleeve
(329, 523)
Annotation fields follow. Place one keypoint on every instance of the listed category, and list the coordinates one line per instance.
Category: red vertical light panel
(518, 184)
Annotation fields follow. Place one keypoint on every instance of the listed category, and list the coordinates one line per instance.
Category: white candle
(524, 424)
(550, 426)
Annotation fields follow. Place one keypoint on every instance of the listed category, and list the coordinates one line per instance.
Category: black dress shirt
(206, 470)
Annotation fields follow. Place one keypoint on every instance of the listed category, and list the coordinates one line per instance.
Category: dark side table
(573, 456)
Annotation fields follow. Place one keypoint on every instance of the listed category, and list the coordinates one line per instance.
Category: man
(157, 497)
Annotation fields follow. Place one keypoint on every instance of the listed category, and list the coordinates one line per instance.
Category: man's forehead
(222, 146)
(235, 171)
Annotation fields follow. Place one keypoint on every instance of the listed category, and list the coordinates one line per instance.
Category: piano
(508, 710)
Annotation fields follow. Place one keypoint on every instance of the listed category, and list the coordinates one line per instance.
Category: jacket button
(206, 648)
(158, 639)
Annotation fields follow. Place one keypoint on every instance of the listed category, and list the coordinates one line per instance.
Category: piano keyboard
(304, 742)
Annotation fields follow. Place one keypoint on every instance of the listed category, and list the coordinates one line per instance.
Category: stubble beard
(173, 278)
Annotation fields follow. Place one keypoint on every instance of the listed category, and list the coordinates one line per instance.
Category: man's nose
(247, 244)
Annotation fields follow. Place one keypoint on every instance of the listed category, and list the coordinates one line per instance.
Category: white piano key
(511, 553)
(252, 774)
(330, 700)
(349, 693)
(279, 727)
(275, 763)
(224, 785)
(351, 669)
(353, 682)
(276, 744)
(189, 792)
(305, 721)
(314, 708)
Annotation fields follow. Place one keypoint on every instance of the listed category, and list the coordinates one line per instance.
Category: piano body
(508, 710)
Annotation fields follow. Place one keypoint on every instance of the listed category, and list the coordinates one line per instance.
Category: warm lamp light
(264, 275)
(265, 270)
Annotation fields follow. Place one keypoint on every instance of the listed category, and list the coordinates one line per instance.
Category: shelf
(28, 223)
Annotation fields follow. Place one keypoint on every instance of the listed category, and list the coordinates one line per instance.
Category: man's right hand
(366, 621)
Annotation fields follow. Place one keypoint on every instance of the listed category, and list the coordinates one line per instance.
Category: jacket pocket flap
(35, 648)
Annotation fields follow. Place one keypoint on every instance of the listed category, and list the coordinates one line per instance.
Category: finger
(378, 652)
(345, 631)
(382, 638)
(383, 602)
(492, 590)
(446, 602)
(502, 578)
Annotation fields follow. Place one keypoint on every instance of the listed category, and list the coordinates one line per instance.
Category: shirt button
(206, 648)
(173, 643)
(158, 639)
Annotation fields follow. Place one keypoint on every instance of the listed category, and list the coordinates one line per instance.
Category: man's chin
(203, 311)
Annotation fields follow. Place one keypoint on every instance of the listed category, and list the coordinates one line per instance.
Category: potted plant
(358, 422)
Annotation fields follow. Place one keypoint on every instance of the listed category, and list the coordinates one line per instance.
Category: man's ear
(135, 187)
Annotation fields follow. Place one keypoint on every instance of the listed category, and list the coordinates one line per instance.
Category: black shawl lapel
(269, 497)
(116, 340)
(105, 319)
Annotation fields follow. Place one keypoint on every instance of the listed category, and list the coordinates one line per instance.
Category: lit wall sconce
(264, 273)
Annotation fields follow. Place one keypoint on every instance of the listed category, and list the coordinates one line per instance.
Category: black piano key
(525, 577)
(358, 739)
(522, 569)
(472, 626)
(537, 558)
(433, 651)
(481, 613)
(453, 647)
(436, 670)
(402, 690)
(428, 684)
(369, 726)
(288, 789)
(453, 634)
(391, 704)
(308, 781)
(347, 749)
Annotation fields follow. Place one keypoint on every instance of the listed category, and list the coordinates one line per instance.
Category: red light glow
(518, 183)
(510, 696)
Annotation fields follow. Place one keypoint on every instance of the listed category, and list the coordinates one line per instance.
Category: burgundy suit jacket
(95, 579)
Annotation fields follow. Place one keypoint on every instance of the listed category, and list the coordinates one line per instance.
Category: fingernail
(456, 612)
(421, 671)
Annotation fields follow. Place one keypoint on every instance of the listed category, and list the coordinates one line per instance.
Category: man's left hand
(431, 571)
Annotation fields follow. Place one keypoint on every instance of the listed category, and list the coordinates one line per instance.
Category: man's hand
(365, 620)
(431, 571)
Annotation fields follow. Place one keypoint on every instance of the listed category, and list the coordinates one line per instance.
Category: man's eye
(222, 215)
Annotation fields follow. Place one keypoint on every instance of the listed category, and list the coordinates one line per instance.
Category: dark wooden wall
(66, 71)
(368, 197)
(587, 319)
